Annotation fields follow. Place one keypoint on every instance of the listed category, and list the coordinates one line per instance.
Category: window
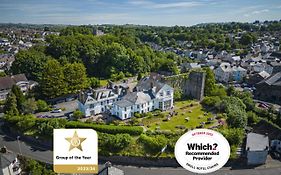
(132, 108)
(107, 101)
(138, 106)
(161, 94)
(101, 103)
(125, 109)
(160, 105)
(125, 115)
(92, 105)
(142, 105)
(168, 93)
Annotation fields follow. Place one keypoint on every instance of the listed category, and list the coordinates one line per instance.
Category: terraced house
(149, 94)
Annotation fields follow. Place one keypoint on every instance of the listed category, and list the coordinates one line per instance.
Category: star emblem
(75, 141)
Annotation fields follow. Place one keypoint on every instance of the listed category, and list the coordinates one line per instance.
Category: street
(45, 155)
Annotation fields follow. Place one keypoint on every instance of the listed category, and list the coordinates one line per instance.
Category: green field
(184, 109)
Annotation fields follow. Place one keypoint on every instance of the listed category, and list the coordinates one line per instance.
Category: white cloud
(150, 4)
(260, 11)
(256, 12)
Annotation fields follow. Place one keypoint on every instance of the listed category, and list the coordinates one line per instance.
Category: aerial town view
(141, 74)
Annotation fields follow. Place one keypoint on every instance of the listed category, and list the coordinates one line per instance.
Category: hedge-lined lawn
(191, 109)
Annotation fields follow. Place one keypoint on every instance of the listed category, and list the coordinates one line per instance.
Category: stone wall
(192, 84)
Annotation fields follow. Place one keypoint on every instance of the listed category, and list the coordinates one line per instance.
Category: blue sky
(151, 12)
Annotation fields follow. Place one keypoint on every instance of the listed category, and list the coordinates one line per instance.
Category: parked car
(56, 111)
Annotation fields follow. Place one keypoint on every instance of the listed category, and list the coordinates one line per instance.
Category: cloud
(260, 11)
(256, 12)
(150, 4)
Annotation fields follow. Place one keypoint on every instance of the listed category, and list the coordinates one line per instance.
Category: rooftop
(257, 142)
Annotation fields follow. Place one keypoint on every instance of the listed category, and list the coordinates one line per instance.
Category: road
(45, 155)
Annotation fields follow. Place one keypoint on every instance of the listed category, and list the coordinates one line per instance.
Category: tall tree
(75, 77)
(53, 81)
(210, 82)
(19, 97)
(10, 107)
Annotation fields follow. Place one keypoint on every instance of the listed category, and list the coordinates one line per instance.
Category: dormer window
(161, 94)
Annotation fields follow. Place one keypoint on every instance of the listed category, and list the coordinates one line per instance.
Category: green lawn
(195, 113)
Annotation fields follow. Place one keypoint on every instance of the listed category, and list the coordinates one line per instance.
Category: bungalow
(257, 147)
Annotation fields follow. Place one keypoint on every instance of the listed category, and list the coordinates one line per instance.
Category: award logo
(75, 151)
(202, 151)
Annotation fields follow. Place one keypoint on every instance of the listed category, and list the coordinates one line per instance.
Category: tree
(94, 82)
(53, 82)
(77, 115)
(42, 106)
(246, 39)
(10, 107)
(210, 82)
(19, 97)
(29, 106)
(75, 77)
(237, 118)
(252, 118)
(30, 62)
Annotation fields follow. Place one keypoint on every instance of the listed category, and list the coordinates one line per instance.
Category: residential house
(6, 61)
(6, 84)
(257, 147)
(269, 89)
(258, 67)
(9, 164)
(226, 73)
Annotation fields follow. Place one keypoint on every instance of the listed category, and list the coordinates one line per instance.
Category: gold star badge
(75, 141)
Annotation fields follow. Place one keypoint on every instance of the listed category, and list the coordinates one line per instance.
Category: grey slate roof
(147, 83)
(274, 80)
(135, 98)
(257, 142)
(6, 159)
(8, 81)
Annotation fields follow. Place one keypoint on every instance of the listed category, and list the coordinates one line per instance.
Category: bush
(211, 101)
(252, 118)
(153, 144)
(114, 143)
(110, 129)
(42, 106)
(234, 136)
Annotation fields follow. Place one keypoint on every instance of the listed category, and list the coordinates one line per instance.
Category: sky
(144, 12)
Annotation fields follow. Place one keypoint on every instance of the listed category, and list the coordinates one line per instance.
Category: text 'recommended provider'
(75, 151)
(202, 151)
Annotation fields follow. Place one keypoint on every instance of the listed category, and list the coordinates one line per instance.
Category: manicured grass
(184, 109)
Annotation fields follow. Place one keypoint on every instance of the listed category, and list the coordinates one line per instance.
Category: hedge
(110, 129)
